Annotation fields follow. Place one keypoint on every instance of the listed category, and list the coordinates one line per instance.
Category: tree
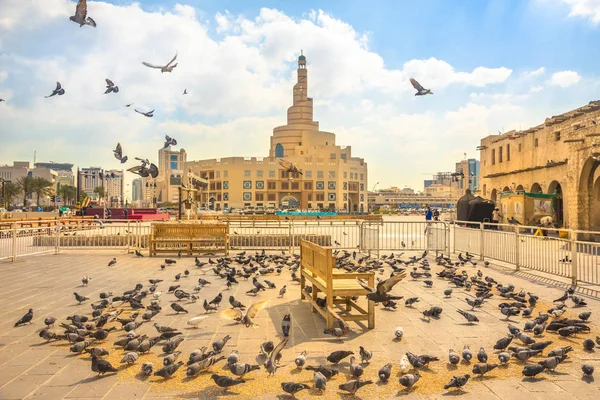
(10, 190)
(26, 184)
(100, 192)
(68, 192)
(42, 187)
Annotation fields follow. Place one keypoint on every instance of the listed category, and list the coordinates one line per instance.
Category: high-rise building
(89, 180)
(470, 171)
(136, 189)
(113, 187)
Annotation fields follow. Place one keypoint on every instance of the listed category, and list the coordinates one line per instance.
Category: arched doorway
(211, 203)
(588, 209)
(494, 195)
(506, 189)
(289, 202)
(536, 188)
(520, 188)
(279, 150)
(556, 188)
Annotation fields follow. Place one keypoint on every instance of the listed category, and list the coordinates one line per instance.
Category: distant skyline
(492, 65)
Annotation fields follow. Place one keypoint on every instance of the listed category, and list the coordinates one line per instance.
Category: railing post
(14, 242)
(481, 241)
(573, 238)
(129, 236)
(56, 231)
(291, 233)
(517, 249)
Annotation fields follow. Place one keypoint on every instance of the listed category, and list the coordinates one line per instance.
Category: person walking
(428, 216)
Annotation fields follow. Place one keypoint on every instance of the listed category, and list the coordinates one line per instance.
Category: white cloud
(239, 72)
(532, 74)
(536, 89)
(584, 8)
(565, 78)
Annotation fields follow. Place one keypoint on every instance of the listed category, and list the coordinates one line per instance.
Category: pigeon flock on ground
(129, 312)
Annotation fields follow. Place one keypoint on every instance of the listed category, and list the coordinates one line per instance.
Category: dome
(301, 58)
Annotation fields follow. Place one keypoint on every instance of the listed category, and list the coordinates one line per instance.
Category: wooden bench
(316, 266)
(189, 238)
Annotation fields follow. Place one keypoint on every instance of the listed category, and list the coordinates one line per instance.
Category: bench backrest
(317, 259)
(177, 230)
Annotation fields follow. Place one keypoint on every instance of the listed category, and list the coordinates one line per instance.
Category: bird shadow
(140, 376)
(295, 371)
(348, 396)
(451, 367)
(381, 383)
(457, 392)
(533, 379)
(212, 392)
(588, 379)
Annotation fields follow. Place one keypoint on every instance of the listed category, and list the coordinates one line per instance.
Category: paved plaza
(33, 369)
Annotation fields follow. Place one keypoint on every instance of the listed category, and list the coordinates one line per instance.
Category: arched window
(279, 150)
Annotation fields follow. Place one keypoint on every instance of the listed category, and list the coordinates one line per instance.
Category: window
(362, 177)
(271, 173)
(345, 185)
(225, 184)
(225, 197)
(308, 185)
(320, 196)
(557, 136)
(285, 185)
(331, 174)
(331, 185)
(173, 161)
(308, 174)
(260, 184)
(246, 173)
(225, 174)
(271, 197)
(218, 174)
(309, 198)
(259, 173)
(519, 146)
(343, 156)
(279, 150)
(508, 152)
(500, 154)
(247, 196)
(331, 196)
(332, 156)
(345, 196)
(295, 185)
(247, 184)
(493, 156)
(362, 187)
(345, 175)
(272, 185)
(484, 189)
(535, 143)
(259, 196)
(319, 174)
(320, 185)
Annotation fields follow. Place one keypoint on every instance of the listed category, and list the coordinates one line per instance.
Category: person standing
(428, 216)
(436, 215)
(496, 217)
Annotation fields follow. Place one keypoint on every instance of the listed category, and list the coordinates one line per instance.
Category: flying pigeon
(58, 91)
(128, 105)
(80, 16)
(166, 68)
(148, 114)
(169, 141)
(119, 154)
(289, 167)
(110, 87)
(421, 91)
(185, 91)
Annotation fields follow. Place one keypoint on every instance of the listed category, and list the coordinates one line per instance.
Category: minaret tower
(301, 111)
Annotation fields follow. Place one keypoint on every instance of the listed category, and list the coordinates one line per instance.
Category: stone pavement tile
(128, 391)
(51, 365)
(509, 390)
(544, 385)
(580, 389)
(562, 395)
(9, 372)
(49, 393)
(31, 357)
(21, 386)
(71, 374)
(93, 386)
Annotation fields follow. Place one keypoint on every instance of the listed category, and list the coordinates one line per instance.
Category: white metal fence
(561, 252)
(566, 253)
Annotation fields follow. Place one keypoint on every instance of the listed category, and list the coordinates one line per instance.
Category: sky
(492, 65)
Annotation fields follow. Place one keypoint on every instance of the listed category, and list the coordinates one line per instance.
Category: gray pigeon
(80, 16)
(169, 370)
(225, 381)
(483, 368)
(355, 369)
(588, 370)
(319, 381)
(300, 360)
(58, 91)
(385, 372)
(532, 370)
(421, 91)
(25, 318)
(457, 382)
(409, 380)
(453, 357)
(147, 368)
(111, 87)
(293, 388)
(353, 385)
(101, 366)
(242, 369)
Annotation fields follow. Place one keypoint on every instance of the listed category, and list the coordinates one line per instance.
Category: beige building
(331, 177)
(559, 156)
(21, 169)
(113, 187)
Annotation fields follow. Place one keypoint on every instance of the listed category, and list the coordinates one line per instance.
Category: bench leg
(330, 317)
(302, 286)
(348, 306)
(371, 313)
(315, 295)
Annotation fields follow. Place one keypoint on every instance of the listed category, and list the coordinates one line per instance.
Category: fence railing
(560, 252)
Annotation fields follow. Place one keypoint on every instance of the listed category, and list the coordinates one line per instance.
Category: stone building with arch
(560, 156)
(331, 177)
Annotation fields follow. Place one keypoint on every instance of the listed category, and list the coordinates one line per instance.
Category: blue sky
(492, 65)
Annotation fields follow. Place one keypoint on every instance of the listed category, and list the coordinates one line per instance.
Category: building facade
(331, 177)
(113, 184)
(136, 191)
(560, 156)
(21, 169)
(398, 199)
(470, 175)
